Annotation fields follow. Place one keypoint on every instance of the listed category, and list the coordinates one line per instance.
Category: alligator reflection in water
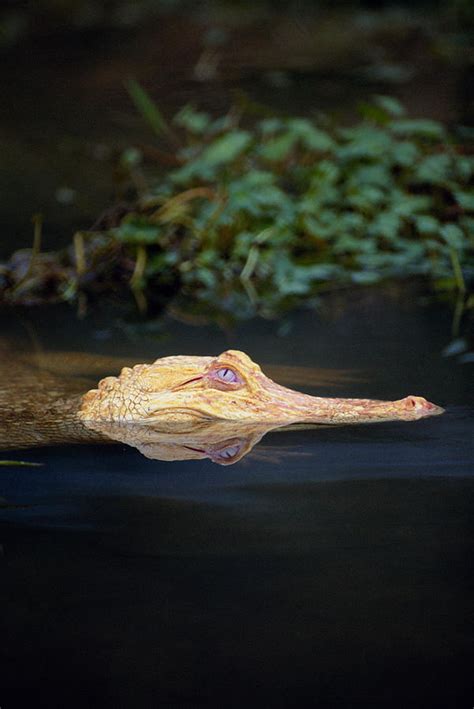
(41, 393)
(223, 442)
(192, 407)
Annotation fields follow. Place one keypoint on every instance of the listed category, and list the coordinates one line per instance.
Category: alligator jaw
(291, 406)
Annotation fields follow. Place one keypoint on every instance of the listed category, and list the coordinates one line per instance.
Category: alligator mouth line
(178, 413)
(196, 450)
(188, 381)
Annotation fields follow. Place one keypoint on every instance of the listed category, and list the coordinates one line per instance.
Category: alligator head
(228, 387)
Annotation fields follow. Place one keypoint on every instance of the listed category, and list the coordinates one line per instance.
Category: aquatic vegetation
(259, 217)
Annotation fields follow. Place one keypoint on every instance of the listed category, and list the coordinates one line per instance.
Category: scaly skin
(181, 389)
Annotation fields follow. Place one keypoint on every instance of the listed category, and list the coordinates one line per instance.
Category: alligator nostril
(420, 406)
(419, 402)
(415, 402)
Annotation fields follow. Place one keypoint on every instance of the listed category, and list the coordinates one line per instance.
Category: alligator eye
(227, 375)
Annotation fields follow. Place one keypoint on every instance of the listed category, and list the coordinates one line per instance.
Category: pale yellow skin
(172, 418)
(224, 442)
(188, 389)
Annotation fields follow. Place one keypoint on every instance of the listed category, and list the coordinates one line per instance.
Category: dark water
(329, 567)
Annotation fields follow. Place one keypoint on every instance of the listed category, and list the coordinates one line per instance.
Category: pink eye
(227, 375)
(229, 452)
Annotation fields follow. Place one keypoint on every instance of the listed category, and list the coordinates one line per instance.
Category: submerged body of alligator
(178, 407)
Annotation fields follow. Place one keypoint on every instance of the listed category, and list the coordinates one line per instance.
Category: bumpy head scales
(228, 387)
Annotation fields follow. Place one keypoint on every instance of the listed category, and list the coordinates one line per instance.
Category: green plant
(263, 217)
(288, 208)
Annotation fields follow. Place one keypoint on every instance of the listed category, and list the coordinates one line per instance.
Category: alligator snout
(418, 406)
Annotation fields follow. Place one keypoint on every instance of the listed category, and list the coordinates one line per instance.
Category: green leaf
(318, 229)
(220, 153)
(426, 224)
(378, 175)
(435, 169)
(271, 125)
(386, 225)
(366, 198)
(405, 153)
(193, 121)
(452, 235)
(465, 167)
(327, 172)
(406, 205)
(256, 194)
(363, 245)
(161, 262)
(278, 148)
(467, 223)
(465, 200)
(206, 276)
(297, 131)
(313, 138)
(226, 148)
(362, 142)
(418, 127)
(381, 109)
(390, 105)
(137, 230)
(295, 279)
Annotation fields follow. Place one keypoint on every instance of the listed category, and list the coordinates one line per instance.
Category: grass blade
(148, 109)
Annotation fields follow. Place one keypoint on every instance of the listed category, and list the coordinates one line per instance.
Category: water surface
(328, 567)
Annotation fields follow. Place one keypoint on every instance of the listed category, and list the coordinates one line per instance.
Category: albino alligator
(229, 387)
(176, 408)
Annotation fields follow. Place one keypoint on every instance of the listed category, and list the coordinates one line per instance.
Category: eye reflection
(223, 442)
(229, 452)
(227, 375)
